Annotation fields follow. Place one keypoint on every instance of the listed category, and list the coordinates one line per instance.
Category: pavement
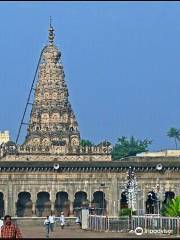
(77, 233)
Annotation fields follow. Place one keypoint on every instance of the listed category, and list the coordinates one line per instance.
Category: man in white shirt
(62, 220)
(47, 224)
(52, 221)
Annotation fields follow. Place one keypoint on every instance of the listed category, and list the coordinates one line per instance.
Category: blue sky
(121, 61)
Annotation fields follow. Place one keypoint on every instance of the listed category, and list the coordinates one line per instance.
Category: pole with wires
(29, 96)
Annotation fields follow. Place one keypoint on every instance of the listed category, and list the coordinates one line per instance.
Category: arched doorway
(123, 201)
(62, 204)
(99, 203)
(1, 204)
(168, 196)
(152, 203)
(80, 201)
(43, 204)
(24, 205)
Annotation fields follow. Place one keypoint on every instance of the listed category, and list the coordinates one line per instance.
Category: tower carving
(52, 121)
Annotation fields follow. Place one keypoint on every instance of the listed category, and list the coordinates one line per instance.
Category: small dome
(51, 54)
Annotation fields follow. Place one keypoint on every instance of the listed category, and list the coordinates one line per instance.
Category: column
(52, 205)
(10, 203)
(33, 209)
(52, 198)
(14, 202)
(107, 207)
(71, 208)
(15, 209)
(114, 196)
(71, 199)
(33, 198)
(5, 205)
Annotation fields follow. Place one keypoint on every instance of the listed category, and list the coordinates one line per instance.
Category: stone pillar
(52, 205)
(15, 199)
(114, 197)
(89, 194)
(5, 205)
(33, 198)
(33, 209)
(10, 200)
(53, 199)
(71, 208)
(107, 206)
(15, 209)
(71, 201)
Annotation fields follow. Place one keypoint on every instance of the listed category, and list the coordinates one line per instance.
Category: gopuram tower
(53, 128)
(52, 120)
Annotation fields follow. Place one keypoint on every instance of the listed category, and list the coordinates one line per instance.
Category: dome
(51, 54)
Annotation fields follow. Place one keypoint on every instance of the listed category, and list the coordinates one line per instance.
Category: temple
(51, 171)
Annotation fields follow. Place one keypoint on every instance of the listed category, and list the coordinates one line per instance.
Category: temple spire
(51, 33)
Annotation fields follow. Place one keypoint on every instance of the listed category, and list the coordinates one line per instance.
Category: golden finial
(51, 33)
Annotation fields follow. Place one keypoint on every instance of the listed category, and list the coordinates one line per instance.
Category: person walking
(52, 221)
(62, 220)
(47, 225)
(10, 230)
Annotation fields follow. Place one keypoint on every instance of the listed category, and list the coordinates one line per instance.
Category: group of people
(50, 221)
(10, 230)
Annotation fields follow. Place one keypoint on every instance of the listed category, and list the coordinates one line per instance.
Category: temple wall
(112, 184)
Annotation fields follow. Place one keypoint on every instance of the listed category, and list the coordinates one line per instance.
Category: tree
(174, 133)
(86, 143)
(129, 147)
(172, 208)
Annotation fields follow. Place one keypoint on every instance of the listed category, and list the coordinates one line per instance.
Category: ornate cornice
(92, 167)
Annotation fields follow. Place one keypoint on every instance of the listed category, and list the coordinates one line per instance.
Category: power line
(29, 96)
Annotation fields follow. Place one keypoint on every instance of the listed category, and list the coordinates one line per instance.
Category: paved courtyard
(69, 232)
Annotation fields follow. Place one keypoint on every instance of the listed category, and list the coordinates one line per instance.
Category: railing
(154, 224)
(112, 224)
(150, 224)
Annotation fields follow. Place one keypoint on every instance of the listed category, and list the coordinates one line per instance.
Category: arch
(55, 117)
(168, 196)
(99, 203)
(46, 95)
(54, 95)
(43, 204)
(24, 205)
(62, 204)
(44, 117)
(123, 201)
(36, 141)
(1, 204)
(80, 201)
(151, 203)
(45, 141)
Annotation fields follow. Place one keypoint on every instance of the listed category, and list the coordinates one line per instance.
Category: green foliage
(129, 147)
(172, 208)
(174, 133)
(126, 212)
(86, 143)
